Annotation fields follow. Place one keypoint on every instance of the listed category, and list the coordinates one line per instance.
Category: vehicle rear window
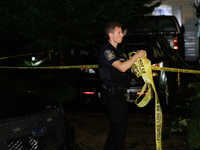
(153, 24)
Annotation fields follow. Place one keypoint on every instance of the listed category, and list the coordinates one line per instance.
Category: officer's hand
(141, 53)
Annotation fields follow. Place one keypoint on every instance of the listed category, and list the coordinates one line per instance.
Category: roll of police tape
(142, 67)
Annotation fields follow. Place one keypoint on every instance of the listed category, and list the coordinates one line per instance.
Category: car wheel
(163, 89)
(167, 89)
(166, 94)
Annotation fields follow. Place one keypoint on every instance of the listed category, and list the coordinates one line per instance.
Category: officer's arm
(124, 66)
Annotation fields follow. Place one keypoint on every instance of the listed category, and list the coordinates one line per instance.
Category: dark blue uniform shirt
(109, 75)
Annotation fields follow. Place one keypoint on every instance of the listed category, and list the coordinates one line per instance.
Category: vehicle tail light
(90, 70)
(88, 92)
(175, 44)
(83, 69)
(138, 93)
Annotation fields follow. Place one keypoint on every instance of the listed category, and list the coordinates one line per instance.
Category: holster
(106, 92)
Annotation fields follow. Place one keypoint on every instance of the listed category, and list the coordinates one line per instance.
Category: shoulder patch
(109, 54)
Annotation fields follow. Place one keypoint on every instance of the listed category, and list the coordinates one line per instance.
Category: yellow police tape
(7, 57)
(96, 66)
(52, 67)
(175, 70)
(142, 67)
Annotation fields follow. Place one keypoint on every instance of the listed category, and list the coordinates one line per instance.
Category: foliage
(178, 126)
(38, 25)
(193, 133)
(194, 123)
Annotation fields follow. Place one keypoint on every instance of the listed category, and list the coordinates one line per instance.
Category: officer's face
(117, 35)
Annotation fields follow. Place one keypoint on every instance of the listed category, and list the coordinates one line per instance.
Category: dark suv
(30, 121)
(166, 26)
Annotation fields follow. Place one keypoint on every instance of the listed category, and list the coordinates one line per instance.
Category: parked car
(29, 121)
(166, 26)
(89, 89)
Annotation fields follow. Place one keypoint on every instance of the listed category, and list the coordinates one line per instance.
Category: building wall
(189, 20)
(187, 8)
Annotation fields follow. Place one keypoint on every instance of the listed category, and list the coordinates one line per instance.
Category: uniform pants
(118, 115)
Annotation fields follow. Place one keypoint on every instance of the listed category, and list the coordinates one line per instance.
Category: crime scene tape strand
(96, 66)
(8, 57)
(52, 67)
(142, 67)
(175, 70)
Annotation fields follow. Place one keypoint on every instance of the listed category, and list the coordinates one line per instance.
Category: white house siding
(188, 19)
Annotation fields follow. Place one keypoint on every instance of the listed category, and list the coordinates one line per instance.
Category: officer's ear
(110, 35)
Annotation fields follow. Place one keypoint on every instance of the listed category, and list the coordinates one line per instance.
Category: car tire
(168, 88)
(165, 96)
(162, 87)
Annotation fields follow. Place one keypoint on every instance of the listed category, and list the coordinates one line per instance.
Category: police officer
(113, 70)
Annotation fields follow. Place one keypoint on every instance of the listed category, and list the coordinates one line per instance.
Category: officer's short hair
(111, 26)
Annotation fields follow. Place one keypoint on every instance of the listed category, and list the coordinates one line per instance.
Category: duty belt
(114, 90)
